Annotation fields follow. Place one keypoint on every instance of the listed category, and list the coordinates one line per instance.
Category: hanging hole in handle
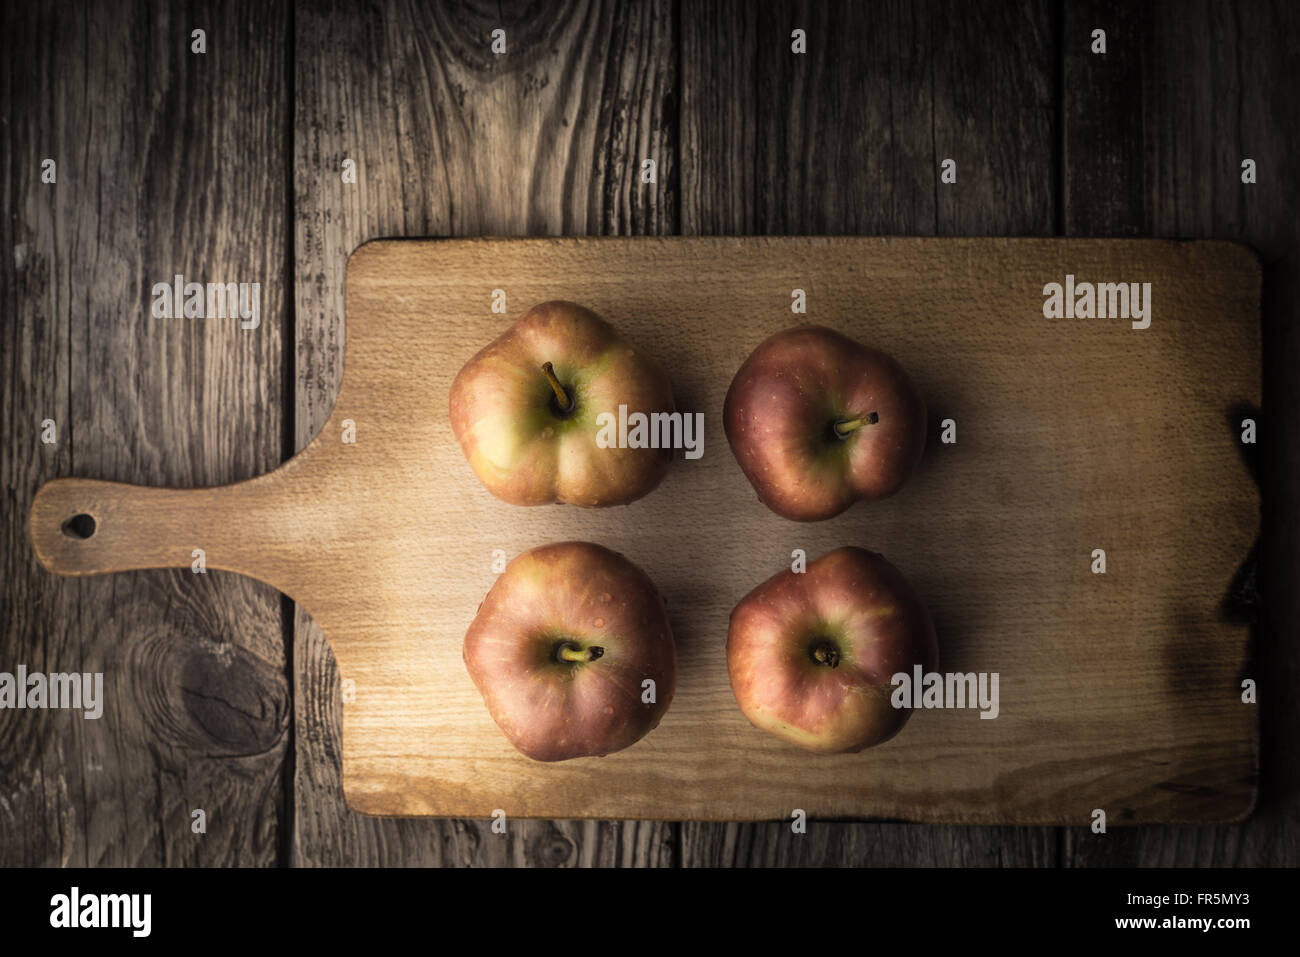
(79, 526)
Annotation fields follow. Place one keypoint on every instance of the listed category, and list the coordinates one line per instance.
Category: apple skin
(526, 451)
(780, 414)
(590, 597)
(865, 610)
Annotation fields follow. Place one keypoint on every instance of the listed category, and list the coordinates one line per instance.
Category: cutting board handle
(90, 527)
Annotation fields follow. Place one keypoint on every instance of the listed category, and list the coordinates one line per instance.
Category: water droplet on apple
(606, 596)
(598, 623)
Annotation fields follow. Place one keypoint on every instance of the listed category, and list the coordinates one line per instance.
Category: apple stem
(846, 426)
(574, 653)
(561, 396)
(826, 654)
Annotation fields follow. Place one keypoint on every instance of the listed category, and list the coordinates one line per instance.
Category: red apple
(812, 656)
(818, 422)
(572, 652)
(524, 410)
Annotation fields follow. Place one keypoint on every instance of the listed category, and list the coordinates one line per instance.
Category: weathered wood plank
(168, 162)
(1155, 134)
(449, 139)
(848, 138)
(37, 814)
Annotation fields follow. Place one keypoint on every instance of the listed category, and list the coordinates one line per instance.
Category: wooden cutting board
(1119, 691)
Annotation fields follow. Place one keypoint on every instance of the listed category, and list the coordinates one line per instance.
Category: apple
(572, 652)
(818, 421)
(524, 410)
(811, 656)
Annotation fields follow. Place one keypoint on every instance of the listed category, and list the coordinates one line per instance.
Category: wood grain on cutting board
(1118, 691)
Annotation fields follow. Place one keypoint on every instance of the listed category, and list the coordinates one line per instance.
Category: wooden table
(228, 165)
